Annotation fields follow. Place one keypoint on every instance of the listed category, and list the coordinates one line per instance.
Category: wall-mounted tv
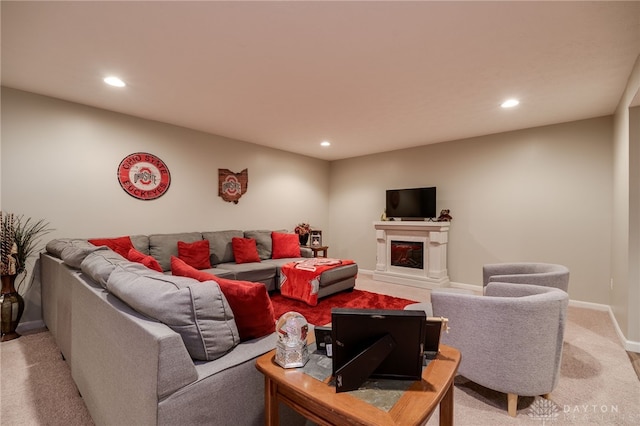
(411, 203)
(378, 343)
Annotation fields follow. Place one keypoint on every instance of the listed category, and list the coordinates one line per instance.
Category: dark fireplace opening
(407, 254)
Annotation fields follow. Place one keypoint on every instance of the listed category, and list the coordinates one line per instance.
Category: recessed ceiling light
(325, 143)
(510, 103)
(114, 81)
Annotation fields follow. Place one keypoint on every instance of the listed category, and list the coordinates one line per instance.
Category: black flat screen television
(411, 203)
(376, 343)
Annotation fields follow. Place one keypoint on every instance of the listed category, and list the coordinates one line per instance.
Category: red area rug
(321, 313)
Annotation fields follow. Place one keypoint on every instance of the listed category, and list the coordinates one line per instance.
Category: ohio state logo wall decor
(231, 185)
(144, 176)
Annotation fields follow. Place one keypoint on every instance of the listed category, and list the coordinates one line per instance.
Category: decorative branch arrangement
(19, 239)
(8, 246)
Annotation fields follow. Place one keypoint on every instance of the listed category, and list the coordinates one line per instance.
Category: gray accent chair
(510, 338)
(544, 274)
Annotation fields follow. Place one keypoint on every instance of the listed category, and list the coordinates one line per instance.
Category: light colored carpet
(37, 388)
(597, 386)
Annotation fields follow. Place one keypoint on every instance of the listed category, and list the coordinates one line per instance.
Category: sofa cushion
(199, 312)
(285, 245)
(263, 242)
(219, 272)
(245, 250)
(250, 302)
(220, 248)
(145, 259)
(140, 243)
(195, 254)
(100, 264)
(163, 246)
(75, 251)
(120, 245)
(56, 246)
(263, 272)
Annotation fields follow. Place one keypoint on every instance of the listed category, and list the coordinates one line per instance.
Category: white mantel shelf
(433, 235)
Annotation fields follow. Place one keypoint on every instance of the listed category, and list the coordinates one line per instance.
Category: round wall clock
(144, 176)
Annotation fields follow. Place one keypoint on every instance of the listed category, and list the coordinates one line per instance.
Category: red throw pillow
(120, 245)
(245, 250)
(250, 302)
(148, 261)
(195, 254)
(284, 245)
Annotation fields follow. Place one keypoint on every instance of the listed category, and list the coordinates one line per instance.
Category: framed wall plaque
(231, 186)
(144, 176)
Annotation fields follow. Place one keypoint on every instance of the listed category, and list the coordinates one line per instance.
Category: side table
(317, 249)
(319, 402)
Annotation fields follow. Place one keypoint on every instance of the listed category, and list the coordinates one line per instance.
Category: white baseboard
(589, 305)
(472, 287)
(629, 345)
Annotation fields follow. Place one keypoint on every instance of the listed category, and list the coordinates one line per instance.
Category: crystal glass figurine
(291, 348)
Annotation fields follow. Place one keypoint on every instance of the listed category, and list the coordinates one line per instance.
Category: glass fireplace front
(407, 254)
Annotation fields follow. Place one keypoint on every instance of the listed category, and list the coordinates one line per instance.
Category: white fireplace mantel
(433, 235)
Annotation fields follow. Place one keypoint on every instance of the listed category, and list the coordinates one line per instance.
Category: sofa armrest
(306, 252)
(123, 363)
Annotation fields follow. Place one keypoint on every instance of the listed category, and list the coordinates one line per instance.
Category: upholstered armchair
(510, 338)
(544, 274)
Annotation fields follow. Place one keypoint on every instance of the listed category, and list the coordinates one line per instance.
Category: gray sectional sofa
(267, 271)
(156, 364)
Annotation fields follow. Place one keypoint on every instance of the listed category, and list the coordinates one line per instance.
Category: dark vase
(11, 309)
(304, 238)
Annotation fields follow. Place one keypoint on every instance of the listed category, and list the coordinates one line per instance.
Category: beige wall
(633, 298)
(541, 194)
(625, 261)
(59, 162)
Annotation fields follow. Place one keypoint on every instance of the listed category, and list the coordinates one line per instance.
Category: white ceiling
(368, 76)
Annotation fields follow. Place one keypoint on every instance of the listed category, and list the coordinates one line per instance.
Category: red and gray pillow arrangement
(195, 254)
(257, 246)
(124, 247)
(249, 302)
(245, 250)
(197, 311)
(229, 311)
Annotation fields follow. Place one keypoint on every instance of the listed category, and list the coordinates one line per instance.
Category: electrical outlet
(611, 283)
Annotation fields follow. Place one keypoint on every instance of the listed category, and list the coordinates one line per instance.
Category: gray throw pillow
(140, 243)
(75, 251)
(100, 264)
(56, 246)
(220, 248)
(263, 242)
(163, 246)
(198, 311)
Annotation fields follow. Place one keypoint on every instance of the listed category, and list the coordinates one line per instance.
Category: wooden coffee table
(319, 402)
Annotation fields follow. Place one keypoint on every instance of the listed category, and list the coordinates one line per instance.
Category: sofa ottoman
(309, 285)
(338, 279)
